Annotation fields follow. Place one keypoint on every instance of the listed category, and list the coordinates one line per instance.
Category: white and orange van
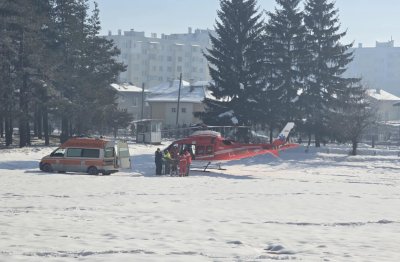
(89, 155)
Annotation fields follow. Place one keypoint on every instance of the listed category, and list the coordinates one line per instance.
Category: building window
(169, 58)
(134, 101)
(173, 110)
(183, 110)
(179, 59)
(179, 68)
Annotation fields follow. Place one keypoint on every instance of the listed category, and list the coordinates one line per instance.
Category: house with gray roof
(163, 102)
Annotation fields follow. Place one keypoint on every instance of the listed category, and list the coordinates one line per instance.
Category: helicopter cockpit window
(209, 150)
(200, 150)
(227, 142)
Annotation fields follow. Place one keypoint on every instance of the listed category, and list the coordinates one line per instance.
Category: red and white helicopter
(209, 146)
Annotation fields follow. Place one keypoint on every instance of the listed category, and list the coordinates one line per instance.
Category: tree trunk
(271, 135)
(40, 123)
(1, 126)
(309, 140)
(24, 112)
(46, 126)
(64, 129)
(317, 140)
(35, 121)
(354, 150)
(28, 134)
(8, 130)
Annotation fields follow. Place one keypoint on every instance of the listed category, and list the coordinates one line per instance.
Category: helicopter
(207, 147)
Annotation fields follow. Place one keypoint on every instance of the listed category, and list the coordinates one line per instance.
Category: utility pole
(179, 99)
(142, 113)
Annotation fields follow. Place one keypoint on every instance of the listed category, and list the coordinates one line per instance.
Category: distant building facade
(379, 66)
(153, 60)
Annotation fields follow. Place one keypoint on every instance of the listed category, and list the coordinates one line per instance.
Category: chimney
(153, 35)
(360, 45)
(119, 31)
(191, 81)
(378, 91)
(189, 30)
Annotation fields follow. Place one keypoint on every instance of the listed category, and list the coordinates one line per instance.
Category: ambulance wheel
(47, 168)
(93, 170)
(106, 173)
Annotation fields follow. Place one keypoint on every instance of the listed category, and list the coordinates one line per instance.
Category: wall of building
(132, 103)
(379, 66)
(386, 111)
(166, 111)
(153, 60)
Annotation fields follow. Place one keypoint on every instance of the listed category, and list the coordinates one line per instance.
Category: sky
(366, 21)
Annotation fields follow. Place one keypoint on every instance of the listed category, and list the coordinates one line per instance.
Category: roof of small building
(169, 92)
(382, 95)
(125, 87)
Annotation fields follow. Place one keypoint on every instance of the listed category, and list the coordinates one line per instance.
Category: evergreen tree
(9, 24)
(69, 19)
(329, 58)
(98, 69)
(285, 58)
(236, 64)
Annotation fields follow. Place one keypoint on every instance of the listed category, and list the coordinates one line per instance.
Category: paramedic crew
(158, 160)
(167, 161)
(188, 157)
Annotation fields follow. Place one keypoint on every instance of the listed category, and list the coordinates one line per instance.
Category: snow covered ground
(315, 206)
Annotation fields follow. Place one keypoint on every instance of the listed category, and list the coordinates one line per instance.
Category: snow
(169, 93)
(127, 88)
(168, 87)
(318, 206)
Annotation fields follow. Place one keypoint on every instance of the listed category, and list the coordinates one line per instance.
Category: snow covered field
(315, 206)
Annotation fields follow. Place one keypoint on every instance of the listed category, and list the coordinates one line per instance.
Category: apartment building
(154, 60)
(379, 66)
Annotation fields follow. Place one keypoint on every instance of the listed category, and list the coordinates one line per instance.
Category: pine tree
(328, 61)
(9, 23)
(236, 63)
(98, 69)
(285, 58)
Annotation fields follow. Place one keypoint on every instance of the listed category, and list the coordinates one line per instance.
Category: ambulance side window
(58, 152)
(74, 152)
(91, 153)
(109, 152)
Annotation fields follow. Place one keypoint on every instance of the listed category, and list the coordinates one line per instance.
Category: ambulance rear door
(123, 156)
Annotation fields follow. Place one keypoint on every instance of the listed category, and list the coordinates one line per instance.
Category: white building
(385, 104)
(379, 66)
(153, 60)
(130, 98)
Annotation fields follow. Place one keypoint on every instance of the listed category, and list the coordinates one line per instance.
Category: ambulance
(88, 155)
